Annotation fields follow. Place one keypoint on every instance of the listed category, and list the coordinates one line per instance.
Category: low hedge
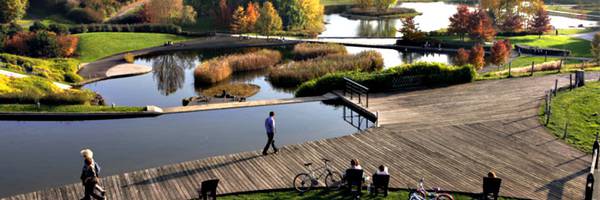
(140, 28)
(432, 74)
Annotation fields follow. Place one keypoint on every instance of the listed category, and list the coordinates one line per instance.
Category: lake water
(36, 155)
(172, 78)
(434, 17)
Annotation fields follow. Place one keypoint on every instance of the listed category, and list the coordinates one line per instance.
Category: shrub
(432, 74)
(304, 51)
(295, 73)
(143, 28)
(129, 57)
(60, 29)
(220, 68)
(43, 44)
(38, 26)
(67, 44)
(17, 44)
(32, 90)
(85, 15)
(53, 69)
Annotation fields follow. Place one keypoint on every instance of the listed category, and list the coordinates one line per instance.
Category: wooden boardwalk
(450, 136)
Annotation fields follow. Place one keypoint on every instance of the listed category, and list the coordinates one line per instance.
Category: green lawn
(93, 46)
(526, 60)
(578, 47)
(66, 108)
(581, 108)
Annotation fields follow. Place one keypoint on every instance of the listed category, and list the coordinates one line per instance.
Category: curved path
(451, 136)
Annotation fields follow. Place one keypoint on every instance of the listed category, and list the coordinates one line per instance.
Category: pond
(36, 155)
(434, 17)
(172, 78)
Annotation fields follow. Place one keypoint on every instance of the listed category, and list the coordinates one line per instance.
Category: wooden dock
(449, 136)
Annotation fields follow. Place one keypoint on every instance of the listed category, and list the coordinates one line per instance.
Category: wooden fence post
(560, 65)
(555, 86)
(566, 133)
(571, 81)
(532, 64)
(509, 68)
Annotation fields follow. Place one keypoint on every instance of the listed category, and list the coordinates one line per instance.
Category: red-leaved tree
(459, 22)
(476, 57)
(540, 22)
(499, 53)
(462, 57)
(480, 26)
(512, 23)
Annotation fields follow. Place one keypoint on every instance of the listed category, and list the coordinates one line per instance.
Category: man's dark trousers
(270, 142)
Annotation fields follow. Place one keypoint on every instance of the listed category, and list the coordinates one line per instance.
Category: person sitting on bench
(381, 180)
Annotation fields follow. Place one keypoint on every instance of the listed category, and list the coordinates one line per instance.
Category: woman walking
(89, 177)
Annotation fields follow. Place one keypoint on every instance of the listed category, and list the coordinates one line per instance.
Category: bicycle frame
(325, 171)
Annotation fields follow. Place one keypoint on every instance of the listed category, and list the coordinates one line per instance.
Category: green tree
(385, 4)
(409, 30)
(312, 16)
(269, 20)
(12, 10)
(596, 48)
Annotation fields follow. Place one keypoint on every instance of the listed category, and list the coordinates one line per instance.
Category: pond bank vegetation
(221, 68)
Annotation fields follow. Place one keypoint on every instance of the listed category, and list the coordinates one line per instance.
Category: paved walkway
(450, 136)
(586, 36)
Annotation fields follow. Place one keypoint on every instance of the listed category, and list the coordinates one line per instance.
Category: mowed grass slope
(93, 46)
(581, 108)
(578, 47)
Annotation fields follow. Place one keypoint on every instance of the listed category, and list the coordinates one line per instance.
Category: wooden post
(532, 64)
(560, 65)
(509, 68)
(579, 78)
(555, 86)
(570, 81)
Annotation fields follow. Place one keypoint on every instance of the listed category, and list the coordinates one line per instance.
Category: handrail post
(596, 147)
(589, 187)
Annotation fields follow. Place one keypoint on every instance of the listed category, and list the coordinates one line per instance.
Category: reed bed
(235, 89)
(295, 73)
(305, 51)
(221, 68)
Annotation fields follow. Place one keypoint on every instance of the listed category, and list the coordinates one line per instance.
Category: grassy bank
(581, 109)
(30, 90)
(312, 50)
(59, 70)
(430, 74)
(295, 73)
(66, 108)
(93, 46)
(578, 47)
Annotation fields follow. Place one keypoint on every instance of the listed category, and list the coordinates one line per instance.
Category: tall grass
(295, 73)
(59, 69)
(305, 51)
(220, 68)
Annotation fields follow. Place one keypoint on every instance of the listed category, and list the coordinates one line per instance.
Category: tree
(38, 26)
(384, 4)
(188, 15)
(512, 23)
(462, 57)
(164, 11)
(312, 13)
(238, 20)
(409, 30)
(596, 48)
(500, 54)
(365, 3)
(12, 10)
(252, 14)
(540, 22)
(269, 20)
(480, 26)
(224, 13)
(476, 57)
(459, 22)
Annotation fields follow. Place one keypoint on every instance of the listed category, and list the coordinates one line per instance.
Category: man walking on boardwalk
(270, 127)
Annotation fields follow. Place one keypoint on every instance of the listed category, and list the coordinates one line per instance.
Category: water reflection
(169, 70)
(377, 28)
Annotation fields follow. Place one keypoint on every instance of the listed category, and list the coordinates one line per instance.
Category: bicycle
(303, 182)
(422, 194)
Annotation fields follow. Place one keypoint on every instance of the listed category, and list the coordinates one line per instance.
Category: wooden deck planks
(450, 136)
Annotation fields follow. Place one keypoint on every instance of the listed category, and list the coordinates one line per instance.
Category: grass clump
(221, 68)
(129, 57)
(235, 89)
(295, 73)
(305, 51)
(93, 46)
(431, 74)
(581, 109)
(30, 90)
(59, 70)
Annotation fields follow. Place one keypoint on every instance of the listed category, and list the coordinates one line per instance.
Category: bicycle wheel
(444, 197)
(333, 180)
(302, 182)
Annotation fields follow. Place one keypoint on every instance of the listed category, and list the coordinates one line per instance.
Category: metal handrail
(589, 185)
(354, 87)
